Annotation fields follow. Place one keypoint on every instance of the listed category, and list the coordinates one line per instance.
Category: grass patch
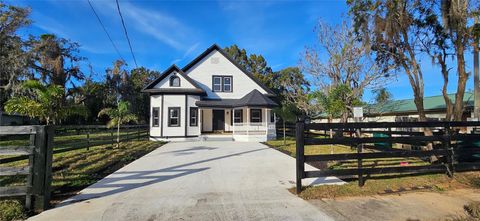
(77, 169)
(11, 210)
(289, 148)
(375, 184)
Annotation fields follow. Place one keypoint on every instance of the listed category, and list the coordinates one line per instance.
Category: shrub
(11, 210)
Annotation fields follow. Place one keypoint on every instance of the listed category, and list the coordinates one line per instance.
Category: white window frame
(220, 85)
(225, 84)
(192, 117)
(170, 117)
(155, 117)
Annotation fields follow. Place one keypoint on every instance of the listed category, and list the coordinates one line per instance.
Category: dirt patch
(408, 206)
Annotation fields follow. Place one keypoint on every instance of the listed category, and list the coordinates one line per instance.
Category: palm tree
(43, 103)
(118, 116)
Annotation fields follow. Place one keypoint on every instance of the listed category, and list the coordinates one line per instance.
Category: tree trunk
(448, 101)
(462, 80)
(344, 117)
(284, 138)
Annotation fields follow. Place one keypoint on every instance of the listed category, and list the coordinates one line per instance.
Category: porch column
(200, 113)
(248, 120)
(266, 121)
(233, 120)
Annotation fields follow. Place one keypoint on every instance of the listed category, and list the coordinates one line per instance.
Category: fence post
(88, 139)
(29, 197)
(361, 181)
(448, 149)
(390, 136)
(111, 136)
(300, 155)
(42, 175)
(139, 133)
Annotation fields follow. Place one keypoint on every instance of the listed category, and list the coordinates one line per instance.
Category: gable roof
(150, 87)
(216, 47)
(252, 99)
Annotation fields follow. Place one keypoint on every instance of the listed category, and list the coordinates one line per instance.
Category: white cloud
(187, 53)
(163, 27)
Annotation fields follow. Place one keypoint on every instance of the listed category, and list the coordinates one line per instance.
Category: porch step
(216, 137)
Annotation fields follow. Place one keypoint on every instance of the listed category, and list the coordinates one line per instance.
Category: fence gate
(38, 169)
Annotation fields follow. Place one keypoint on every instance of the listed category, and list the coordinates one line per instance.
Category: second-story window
(222, 83)
(227, 84)
(217, 83)
(174, 81)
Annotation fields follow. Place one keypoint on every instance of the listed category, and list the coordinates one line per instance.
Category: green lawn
(375, 184)
(289, 148)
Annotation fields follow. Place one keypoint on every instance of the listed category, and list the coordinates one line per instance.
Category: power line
(104, 29)
(126, 34)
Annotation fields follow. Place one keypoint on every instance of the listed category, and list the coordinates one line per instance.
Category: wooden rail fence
(43, 142)
(39, 170)
(453, 149)
(87, 137)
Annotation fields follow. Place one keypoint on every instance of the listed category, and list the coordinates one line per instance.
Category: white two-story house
(210, 96)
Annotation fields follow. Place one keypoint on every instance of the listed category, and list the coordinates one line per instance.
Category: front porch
(242, 123)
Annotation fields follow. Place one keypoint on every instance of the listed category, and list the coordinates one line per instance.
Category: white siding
(216, 64)
(165, 83)
(174, 101)
(155, 101)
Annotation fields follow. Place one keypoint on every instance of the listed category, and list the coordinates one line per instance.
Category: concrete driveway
(196, 181)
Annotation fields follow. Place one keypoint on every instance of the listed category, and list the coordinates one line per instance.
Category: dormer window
(174, 81)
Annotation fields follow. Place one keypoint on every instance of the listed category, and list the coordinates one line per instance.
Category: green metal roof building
(433, 105)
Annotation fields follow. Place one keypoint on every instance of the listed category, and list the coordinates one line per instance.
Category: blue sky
(167, 32)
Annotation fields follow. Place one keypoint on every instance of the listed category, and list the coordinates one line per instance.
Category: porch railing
(261, 128)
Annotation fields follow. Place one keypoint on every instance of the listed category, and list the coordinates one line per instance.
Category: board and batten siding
(184, 102)
(217, 64)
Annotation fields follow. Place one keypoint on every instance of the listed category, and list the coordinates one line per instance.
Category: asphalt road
(195, 181)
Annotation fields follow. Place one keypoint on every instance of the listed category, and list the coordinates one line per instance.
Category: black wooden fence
(450, 143)
(43, 142)
(88, 136)
(39, 170)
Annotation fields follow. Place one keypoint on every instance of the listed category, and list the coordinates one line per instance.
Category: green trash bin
(381, 145)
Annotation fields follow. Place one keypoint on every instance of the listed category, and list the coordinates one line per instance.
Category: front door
(218, 120)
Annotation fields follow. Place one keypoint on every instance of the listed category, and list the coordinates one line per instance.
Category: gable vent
(214, 60)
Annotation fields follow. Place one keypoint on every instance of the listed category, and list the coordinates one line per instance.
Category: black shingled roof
(252, 99)
(150, 87)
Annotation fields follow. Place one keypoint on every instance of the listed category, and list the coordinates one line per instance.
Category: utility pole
(476, 80)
